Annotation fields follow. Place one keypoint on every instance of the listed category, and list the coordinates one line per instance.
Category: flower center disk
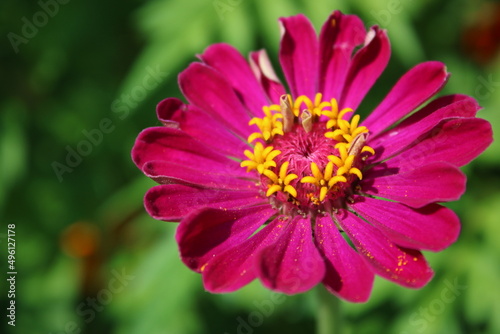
(307, 155)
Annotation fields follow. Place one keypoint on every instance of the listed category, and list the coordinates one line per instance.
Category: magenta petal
(210, 91)
(366, 66)
(339, 36)
(293, 264)
(347, 275)
(167, 110)
(299, 55)
(448, 106)
(416, 126)
(406, 267)
(174, 113)
(205, 233)
(231, 64)
(432, 227)
(435, 182)
(263, 70)
(166, 172)
(172, 202)
(455, 141)
(414, 88)
(236, 267)
(175, 146)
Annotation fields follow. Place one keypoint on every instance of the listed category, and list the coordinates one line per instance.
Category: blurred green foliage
(89, 260)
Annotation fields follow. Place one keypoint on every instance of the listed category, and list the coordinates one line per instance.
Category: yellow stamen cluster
(335, 116)
(325, 181)
(261, 159)
(269, 125)
(344, 163)
(282, 181)
(345, 132)
(342, 130)
(316, 108)
(282, 118)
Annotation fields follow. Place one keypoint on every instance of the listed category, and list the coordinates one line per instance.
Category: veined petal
(172, 112)
(231, 64)
(210, 91)
(236, 266)
(469, 109)
(206, 232)
(413, 129)
(347, 275)
(456, 141)
(435, 182)
(339, 36)
(263, 70)
(366, 66)
(172, 202)
(293, 263)
(414, 88)
(166, 172)
(406, 267)
(175, 146)
(432, 227)
(299, 55)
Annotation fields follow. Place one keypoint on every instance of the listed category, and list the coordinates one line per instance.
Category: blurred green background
(89, 259)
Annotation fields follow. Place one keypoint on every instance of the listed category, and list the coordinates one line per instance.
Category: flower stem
(329, 319)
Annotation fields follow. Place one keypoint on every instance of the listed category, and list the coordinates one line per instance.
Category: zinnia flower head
(291, 186)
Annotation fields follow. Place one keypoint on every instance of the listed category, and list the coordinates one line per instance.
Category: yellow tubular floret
(271, 175)
(309, 179)
(284, 169)
(343, 152)
(336, 179)
(328, 171)
(291, 190)
(289, 178)
(368, 149)
(326, 180)
(315, 171)
(345, 163)
(354, 122)
(341, 129)
(269, 125)
(261, 159)
(332, 114)
(357, 131)
(343, 112)
(281, 183)
(254, 136)
(335, 134)
(336, 160)
(356, 172)
(316, 108)
(273, 189)
(322, 193)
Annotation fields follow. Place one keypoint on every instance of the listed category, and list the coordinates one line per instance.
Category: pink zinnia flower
(273, 186)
